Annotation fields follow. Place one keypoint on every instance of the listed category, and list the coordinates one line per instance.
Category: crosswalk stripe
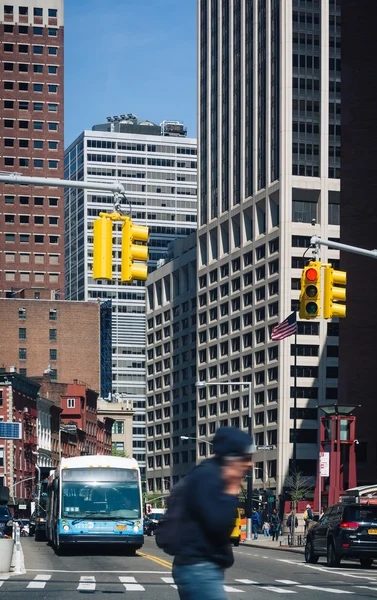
(247, 581)
(39, 582)
(231, 589)
(169, 580)
(366, 587)
(277, 590)
(287, 581)
(323, 589)
(87, 583)
(131, 584)
(1, 583)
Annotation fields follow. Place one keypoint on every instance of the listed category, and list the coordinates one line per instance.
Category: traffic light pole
(115, 188)
(317, 241)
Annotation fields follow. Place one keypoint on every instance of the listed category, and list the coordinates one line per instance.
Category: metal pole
(50, 182)
(294, 462)
(315, 240)
(249, 499)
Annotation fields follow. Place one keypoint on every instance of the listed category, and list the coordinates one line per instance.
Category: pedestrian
(275, 525)
(290, 523)
(322, 512)
(255, 523)
(308, 518)
(266, 529)
(209, 501)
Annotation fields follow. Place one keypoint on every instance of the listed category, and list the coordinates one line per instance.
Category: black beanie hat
(230, 441)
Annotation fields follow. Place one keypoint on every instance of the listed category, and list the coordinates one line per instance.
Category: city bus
(95, 499)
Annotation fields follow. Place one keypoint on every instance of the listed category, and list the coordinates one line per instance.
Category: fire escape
(30, 446)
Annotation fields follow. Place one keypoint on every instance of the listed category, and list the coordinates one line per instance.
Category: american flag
(285, 328)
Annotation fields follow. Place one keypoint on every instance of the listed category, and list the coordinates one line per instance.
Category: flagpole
(294, 461)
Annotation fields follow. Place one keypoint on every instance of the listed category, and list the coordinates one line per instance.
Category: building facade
(269, 160)
(122, 415)
(18, 403)
(171, 367)
(358, 219)
(51, 335)
(31, 141)
(158, 171)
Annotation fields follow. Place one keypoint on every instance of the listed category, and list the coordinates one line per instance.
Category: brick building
(64, 336)
(31, 143)
(18, 403)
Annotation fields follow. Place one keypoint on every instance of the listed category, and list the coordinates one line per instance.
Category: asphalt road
(257, 573)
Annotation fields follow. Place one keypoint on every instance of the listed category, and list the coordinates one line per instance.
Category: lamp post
(189, 437)
(249, 497)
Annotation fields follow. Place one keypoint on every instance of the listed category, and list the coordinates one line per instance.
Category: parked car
(6, 521)
(32, 525)
(150, 527)
(345, 531)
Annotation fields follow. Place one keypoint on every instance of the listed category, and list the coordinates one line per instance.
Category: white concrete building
(269, 158)
(44, 432)
(157, 165)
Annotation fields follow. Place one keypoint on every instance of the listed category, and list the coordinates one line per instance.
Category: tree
(121, 453)
(298, 486)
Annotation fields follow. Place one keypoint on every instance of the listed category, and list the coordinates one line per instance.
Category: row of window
(24, 257)
(23, 86)
(24, 11)
(25, 219)
(37, 50)
(37, 144)
(25, 200)
(26, 238)
(37, 106)
(37, 163)
(37, 68)
(24, 30)
(37, 125)
(26, 277)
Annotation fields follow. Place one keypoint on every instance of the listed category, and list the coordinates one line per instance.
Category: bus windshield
(98, 493)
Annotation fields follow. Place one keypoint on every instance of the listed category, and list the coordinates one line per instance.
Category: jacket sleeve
(214, 509)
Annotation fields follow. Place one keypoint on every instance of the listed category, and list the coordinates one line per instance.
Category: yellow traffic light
(332, 295)
(310, 291)
(102, 248)
(132, 252)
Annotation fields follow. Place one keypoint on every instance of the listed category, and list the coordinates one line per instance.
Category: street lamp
(249, 498)
(189, 437)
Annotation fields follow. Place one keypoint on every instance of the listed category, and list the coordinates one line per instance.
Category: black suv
(6, 521)
(345, 530)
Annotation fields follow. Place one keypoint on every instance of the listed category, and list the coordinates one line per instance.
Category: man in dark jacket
(210, 512)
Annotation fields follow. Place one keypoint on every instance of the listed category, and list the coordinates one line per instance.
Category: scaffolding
(106, 348)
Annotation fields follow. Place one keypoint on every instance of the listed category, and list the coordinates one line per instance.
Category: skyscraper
(269, 159)
(157, 165)
(31, 141)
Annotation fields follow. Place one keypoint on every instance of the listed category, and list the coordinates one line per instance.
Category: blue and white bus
(95, 499)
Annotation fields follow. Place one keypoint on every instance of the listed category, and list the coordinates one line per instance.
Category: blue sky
(129, 56)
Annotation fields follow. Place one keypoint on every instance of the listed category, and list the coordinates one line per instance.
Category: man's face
(240, 465)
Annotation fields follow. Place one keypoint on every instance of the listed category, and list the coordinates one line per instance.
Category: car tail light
(346, 545)
(349, 525)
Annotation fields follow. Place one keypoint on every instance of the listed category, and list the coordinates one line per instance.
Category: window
(8, 104)
(37, 49)
(39, 239)
(23, 10)
(52, 51)
(52, 69)
(53, 164)
(22, 353)
(53, 239)
(9, 199)
(8, 10)
(52, 32)
(8, 66)
(52, 126)
(22, 333)
(23, 162)
(38, 125)
(22, 313)
(52, 145)
(23, 86)
(23, 124)
(53, 354)
(53, 335)
(8, 123)
(71, 402)
(23, 143)
(8, 47)
(9, 218)
(38, 163)
(38, 87)
(25, 238)
(38, 201)
(38, 12)
(52, 89)
(8, 85)
(52, 13)
(38, 30)
(9, 161)
(38, 106)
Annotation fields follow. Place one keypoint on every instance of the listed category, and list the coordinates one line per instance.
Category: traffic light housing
(310, 291)
(102, 248)
(332, 294)
(131, 252)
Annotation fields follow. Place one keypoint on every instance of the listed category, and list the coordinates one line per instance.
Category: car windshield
(100, 494)
(355, 513)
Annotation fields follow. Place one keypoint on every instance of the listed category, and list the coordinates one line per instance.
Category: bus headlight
(66, 528)
(136, 528)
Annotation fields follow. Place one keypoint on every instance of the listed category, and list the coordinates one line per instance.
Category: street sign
(324, 464)
(265, 448)
(10, 430)
(22, 506)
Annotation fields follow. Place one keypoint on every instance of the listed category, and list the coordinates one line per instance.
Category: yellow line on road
(156, 559)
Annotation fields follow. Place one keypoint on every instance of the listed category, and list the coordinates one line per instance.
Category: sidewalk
(268, 544)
